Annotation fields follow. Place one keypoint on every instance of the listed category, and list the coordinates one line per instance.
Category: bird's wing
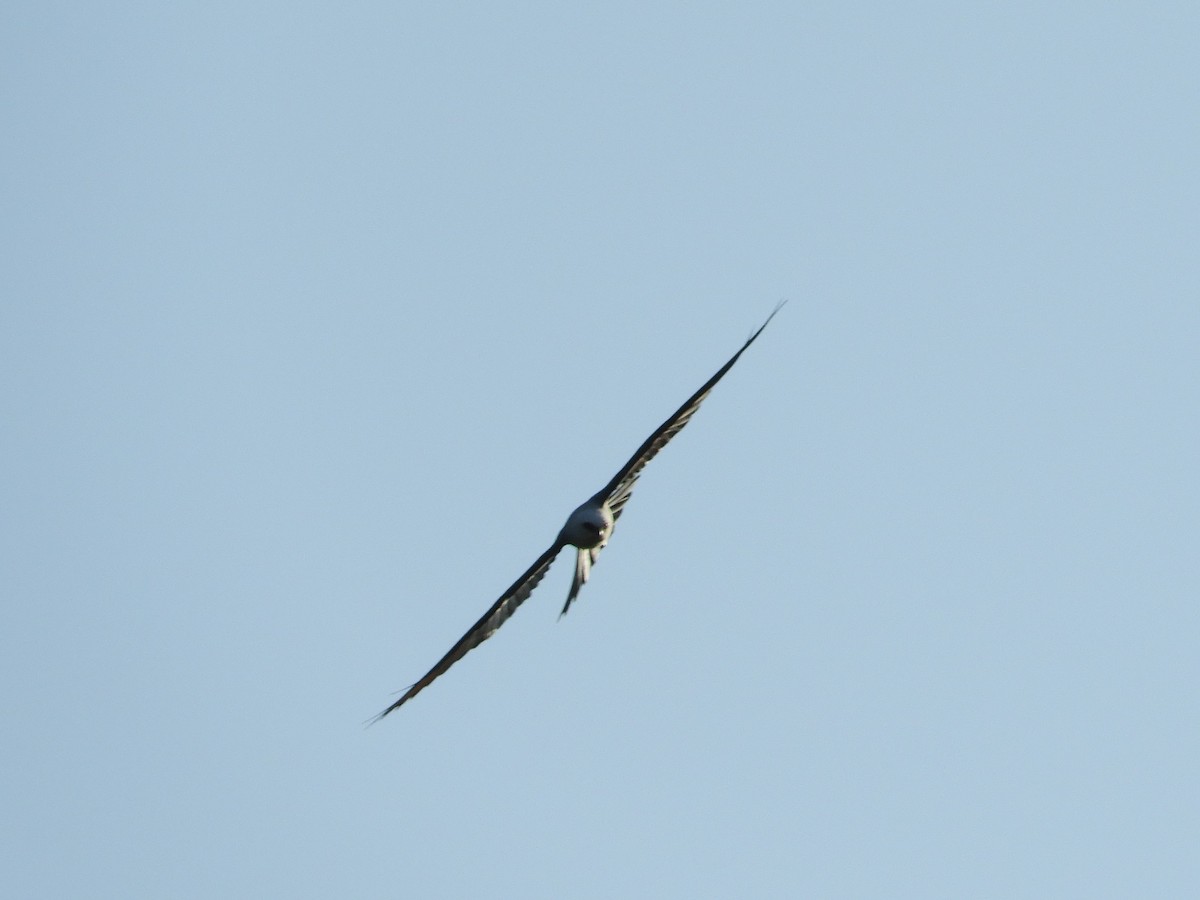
(618, 491)
(486, 626)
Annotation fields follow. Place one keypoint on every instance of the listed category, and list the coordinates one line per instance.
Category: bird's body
(588, 529)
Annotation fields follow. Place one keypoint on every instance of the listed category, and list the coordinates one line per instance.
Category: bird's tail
(583, 568)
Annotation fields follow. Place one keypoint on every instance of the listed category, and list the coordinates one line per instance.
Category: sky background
(318, 319)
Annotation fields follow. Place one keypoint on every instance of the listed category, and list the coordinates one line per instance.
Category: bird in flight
(587, 529)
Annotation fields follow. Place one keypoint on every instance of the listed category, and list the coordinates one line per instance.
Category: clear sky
(318, 319)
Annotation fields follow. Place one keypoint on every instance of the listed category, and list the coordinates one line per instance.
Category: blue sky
(318, 319)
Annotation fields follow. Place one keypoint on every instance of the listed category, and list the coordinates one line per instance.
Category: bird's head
(587, 527)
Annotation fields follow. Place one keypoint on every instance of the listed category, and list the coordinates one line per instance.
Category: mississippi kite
(587, 529)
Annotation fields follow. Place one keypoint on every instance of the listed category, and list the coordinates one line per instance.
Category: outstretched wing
(517, 593)
(618, 491)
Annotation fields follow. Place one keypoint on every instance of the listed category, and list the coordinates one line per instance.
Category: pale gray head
(589, 526)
